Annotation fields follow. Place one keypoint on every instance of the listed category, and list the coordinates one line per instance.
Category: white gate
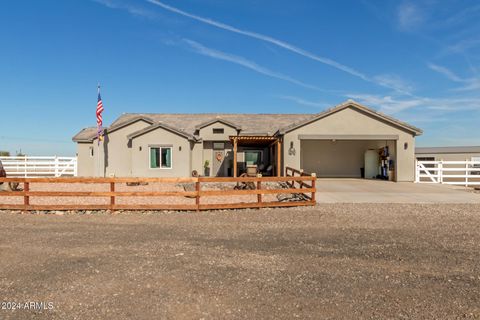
(31, 167)
(464, 173)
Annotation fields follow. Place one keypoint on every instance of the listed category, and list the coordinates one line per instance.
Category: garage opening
(333, 158)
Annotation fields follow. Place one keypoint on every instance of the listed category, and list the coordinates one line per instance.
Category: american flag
(99, 117)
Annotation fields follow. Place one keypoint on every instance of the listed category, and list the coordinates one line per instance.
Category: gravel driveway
(364, 261)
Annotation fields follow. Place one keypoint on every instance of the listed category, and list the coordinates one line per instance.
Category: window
(160, 157)
(218, 130)
(91, 151)
(253, 157)
(218, 145)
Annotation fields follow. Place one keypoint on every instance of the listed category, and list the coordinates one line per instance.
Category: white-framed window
(160, 157)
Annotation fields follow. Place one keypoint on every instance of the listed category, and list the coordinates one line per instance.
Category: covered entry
(260, 154)
(349, 156)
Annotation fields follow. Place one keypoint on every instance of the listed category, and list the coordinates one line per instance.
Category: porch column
(234, 157)
(279, 158)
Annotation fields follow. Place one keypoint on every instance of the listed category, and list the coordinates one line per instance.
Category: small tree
(4, 153)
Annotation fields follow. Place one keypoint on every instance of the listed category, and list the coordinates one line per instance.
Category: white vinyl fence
(31, 167)
(464, 173)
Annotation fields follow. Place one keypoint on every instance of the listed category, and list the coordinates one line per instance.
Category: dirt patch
(330, 262)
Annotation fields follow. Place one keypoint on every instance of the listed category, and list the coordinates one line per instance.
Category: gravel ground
(330, 262)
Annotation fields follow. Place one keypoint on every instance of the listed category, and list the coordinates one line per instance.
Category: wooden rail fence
(291, 172)
(197, 194)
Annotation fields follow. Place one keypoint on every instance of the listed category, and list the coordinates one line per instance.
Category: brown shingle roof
(250, 123)
(86, 135)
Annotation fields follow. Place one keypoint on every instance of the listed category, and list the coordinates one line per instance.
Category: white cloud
(199, 48)
(305, 102)
(409, 16)
(132, 9)
(464, 45)
(394, 81)
(392, 105)
(470, 84)
(279, 43)
(445, 71)
(386, 104)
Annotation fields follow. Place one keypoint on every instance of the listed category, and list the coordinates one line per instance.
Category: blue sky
(418, 61)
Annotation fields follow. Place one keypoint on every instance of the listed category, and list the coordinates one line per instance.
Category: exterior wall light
(291, 150)
(405, 145)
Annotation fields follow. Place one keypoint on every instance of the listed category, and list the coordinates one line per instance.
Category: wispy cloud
(470, 84)
(387, 104)
(409, 16)
(305, 102)
(463, 16)
(279, 43)
(216, 54)
(394, 81)
(445, 71)
(132, 9)
(464, 45)
(392, 105)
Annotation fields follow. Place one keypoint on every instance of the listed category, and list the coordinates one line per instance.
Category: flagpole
(98, 137)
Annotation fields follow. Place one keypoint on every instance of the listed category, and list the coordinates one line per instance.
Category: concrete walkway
(375, 191)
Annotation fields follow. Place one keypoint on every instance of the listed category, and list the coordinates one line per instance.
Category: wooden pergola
(264, 141)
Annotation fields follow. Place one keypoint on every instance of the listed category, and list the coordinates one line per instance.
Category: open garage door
(342, 158)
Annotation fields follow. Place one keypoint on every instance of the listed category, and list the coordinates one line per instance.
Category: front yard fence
(30, 167)
(197, 195)
(464, 173)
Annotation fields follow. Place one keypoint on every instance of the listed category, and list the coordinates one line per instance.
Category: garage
(338, 157)
(352, 141)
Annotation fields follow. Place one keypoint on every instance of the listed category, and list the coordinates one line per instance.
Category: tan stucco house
(338, 142)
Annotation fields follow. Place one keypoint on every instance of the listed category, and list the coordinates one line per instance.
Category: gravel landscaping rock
(362, 261)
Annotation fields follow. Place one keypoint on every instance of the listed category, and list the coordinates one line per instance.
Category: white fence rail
(31, 167)
(464, 173)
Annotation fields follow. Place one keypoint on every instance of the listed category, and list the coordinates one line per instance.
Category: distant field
(333, 261)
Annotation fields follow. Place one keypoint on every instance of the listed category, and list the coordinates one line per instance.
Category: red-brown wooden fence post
(314, 181)
(259, 187)
(197, 198)
(26, 198)
(112, 197)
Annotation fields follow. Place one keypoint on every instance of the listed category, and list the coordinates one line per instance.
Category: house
(333, 143)
(471, 153)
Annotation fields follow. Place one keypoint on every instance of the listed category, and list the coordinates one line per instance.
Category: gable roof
(119, 125)
(249, 124)
(86, 135)
(218, 119)
(258, 124)
(160, 125)
(90, 134)
(352, 104)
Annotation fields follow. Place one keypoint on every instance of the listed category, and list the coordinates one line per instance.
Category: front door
(218, 157)
(218, 168)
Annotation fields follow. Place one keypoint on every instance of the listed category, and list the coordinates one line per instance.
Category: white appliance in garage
(371, 164)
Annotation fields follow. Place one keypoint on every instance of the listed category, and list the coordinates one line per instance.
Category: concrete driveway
(376, 191)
